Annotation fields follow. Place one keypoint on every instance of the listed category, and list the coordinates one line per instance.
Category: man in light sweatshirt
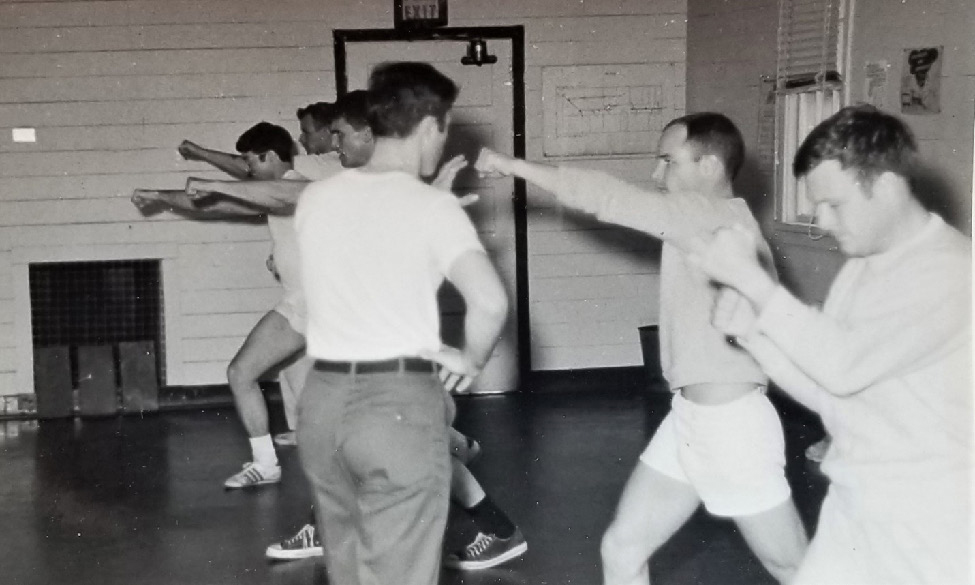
(886, 362)
(722, 443)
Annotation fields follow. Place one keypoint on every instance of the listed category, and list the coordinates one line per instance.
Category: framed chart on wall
(607, 110)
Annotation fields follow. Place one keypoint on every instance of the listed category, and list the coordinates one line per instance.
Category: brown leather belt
(377, 367)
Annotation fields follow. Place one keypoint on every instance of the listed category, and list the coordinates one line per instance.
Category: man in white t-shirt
(266, 153)
(417, 235)
(374, 417)
(318, 162)
(498, 539)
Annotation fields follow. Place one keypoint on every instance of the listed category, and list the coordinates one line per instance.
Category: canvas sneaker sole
(508, 555)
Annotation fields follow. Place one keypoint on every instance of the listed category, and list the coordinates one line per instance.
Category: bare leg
(464, 487)
(778, 539)
(270, 342)
(292, 380)
(652, 508)
(462, 447)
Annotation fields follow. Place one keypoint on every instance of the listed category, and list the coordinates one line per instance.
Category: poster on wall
(875, 83)
(921, 81)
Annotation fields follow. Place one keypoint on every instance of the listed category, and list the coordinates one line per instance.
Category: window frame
(802, 100)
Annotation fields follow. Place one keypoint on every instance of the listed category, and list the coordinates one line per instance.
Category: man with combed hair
(266, 152)
(376, 243)
(722, 442)
(886, 362)
(498, 539)
(317, 162)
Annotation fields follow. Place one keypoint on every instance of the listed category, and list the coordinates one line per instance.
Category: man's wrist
(759, 289)
(515, 166)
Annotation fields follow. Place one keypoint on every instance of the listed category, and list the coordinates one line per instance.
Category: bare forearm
(175, 199)
(541, 175)
(278, 197)
(232, 164)
(483, 326)
(487, 305)
(178, 201)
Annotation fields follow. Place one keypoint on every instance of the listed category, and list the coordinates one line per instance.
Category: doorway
(489, 112)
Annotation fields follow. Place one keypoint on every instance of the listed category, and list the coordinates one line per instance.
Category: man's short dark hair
(266, 137)
(862, 138)
(713, 133)
(402, 94)
(323, 113)
(353, 107)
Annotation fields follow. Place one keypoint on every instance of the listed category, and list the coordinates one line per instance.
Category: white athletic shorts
(292, 307)
(732, 454)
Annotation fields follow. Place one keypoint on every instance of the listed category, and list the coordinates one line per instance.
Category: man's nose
(822, 218)
(659, 175)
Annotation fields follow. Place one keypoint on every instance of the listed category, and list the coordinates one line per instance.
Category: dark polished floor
(140, 500)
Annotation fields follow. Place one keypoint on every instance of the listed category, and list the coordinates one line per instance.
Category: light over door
(482, 116)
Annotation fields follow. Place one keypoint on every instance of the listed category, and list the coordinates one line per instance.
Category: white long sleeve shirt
(887, 364)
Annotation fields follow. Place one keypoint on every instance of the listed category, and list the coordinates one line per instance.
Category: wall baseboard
(627, 380)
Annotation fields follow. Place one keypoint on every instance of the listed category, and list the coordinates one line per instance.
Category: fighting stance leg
(270, 342)
(778, 539)
(291, 380)
(651, 509)
(498, 539)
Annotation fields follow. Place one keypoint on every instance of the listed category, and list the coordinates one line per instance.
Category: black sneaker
(303, 545)
(487, 551)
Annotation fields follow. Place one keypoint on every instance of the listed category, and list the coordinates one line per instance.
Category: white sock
(263, 449)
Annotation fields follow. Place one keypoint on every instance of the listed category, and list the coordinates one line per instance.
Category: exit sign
(411, 14)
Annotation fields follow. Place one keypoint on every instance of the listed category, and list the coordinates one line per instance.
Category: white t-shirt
(316, 167)
(375, 248)
(283, 237)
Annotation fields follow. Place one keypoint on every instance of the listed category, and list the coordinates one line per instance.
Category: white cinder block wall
(112, 86)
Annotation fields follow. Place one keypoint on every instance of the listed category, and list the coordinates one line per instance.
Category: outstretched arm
(277, 197)
(672, 217)
(152, 201)
(232, 164)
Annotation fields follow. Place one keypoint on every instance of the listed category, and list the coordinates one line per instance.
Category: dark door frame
(516, 34)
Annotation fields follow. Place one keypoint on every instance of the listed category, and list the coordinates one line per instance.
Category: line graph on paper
(602, 111)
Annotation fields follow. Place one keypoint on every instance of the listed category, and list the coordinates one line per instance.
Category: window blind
(808, 42)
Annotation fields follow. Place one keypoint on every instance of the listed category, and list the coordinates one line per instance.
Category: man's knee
(623, 551)
(240, 377)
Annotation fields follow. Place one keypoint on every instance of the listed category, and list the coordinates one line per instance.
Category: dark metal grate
(95, 303)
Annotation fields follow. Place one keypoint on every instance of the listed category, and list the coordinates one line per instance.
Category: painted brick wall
(112, 86)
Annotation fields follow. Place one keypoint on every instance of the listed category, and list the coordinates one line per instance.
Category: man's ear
(888, 182)
(367, 134)
(712, 165)
(425, 130)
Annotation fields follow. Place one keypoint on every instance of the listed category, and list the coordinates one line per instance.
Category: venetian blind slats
(807, 41)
